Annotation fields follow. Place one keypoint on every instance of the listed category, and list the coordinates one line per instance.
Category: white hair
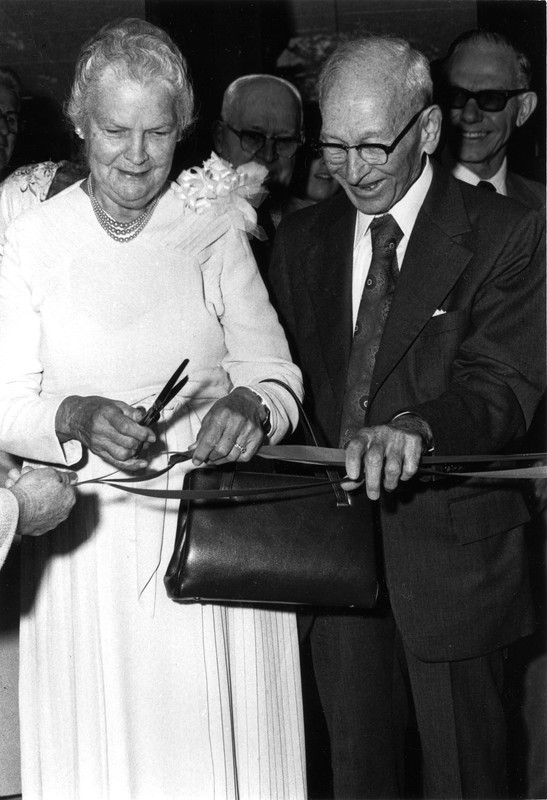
(145, 52)
(407, 67)
(232, 93)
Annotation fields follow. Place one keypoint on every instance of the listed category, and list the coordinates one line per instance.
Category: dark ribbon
(441, 466)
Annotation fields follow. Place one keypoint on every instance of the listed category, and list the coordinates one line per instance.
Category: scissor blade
(166, 393)
(175, 390)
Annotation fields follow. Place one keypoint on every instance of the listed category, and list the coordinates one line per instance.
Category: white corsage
(198, 187)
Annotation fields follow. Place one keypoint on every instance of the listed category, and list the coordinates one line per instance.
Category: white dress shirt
(499, 180)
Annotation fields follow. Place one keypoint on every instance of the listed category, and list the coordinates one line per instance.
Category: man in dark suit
(486, 90)
(442, 287)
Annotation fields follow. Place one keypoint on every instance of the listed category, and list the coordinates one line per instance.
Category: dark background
(223, 39)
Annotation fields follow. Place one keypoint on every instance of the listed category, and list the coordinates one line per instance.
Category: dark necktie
(487, 185)
(371, 319)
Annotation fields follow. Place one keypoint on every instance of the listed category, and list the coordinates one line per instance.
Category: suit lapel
(327, 265)
(433, 263)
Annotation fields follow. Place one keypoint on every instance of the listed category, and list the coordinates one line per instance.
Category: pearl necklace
(120, 231)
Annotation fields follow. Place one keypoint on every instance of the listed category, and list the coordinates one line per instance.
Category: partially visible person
(34, 501)
(10, 106)
(312, 181)
(486, 91)
(104, 289)
(262, 120)
(33, 184)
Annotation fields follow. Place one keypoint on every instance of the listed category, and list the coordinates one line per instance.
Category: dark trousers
(367, 679)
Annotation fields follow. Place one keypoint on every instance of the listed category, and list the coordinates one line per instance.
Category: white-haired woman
(105, 289)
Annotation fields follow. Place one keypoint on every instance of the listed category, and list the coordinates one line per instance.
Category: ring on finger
(242, 449)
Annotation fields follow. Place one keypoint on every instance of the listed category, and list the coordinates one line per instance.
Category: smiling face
(130, 137)
(479, 139)
(358, 108)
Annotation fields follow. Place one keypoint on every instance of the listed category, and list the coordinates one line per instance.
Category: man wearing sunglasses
(414, 306)
(486, 93)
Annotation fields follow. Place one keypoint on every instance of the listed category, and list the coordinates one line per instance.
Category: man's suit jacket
(452, 548)
(530, 193)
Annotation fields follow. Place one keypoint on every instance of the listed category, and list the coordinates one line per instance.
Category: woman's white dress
(125, 694)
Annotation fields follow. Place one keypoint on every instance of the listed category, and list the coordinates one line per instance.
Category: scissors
(167, 393)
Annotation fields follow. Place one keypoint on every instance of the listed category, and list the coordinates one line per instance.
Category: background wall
(41, 39)
(223, 39)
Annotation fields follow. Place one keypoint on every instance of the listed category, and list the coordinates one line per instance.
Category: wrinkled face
(320, 184)
(9, 123)
(479, 139)
(270, 109)
(357, 109)
(130, 136)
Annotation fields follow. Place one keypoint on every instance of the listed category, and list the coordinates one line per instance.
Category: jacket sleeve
(498, 373)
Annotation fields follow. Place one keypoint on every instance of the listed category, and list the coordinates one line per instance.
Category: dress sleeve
(25, 188)
(256, 347)
(27, 419)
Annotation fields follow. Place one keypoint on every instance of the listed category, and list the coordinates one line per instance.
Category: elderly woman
(105, 289)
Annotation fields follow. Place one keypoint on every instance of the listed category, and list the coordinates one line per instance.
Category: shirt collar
(499, 180)
(405, 210)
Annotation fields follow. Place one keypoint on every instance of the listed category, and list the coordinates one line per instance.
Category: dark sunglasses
(486, 99)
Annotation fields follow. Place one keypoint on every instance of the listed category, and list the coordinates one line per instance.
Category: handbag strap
(342, 498)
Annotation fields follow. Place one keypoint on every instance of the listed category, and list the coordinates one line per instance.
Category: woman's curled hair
(139, 50)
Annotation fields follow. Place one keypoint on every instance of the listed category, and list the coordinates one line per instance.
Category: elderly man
(414, 306)
(486, 91)
(261, 120)
(10, 103)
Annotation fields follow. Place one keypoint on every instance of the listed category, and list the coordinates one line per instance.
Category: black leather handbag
(280, 538)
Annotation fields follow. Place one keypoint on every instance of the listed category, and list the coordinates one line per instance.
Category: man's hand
(109, 428)
(231, 430)
(45, 497)
(386, 454)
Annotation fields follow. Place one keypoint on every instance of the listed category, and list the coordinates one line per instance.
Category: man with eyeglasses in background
(10, 103)
(261, 120)
(485, 89)
(414, 306)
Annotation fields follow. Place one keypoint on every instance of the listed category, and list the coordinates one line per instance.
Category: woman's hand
(109, 428)
(231, 430)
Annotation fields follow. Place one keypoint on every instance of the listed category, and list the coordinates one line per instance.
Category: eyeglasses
(376, 154)
(486, 99)
(253, 141)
